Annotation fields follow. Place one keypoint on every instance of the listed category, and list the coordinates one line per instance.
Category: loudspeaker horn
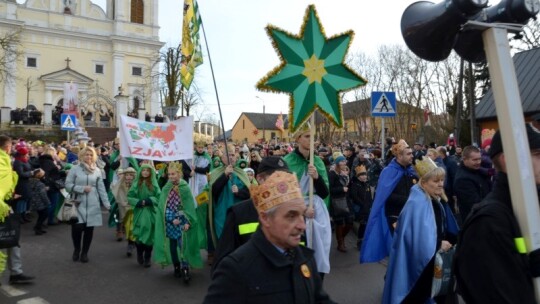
(469, 43)
(430, 30)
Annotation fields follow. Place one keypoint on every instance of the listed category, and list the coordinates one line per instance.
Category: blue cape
(377, 238)
(414, 244)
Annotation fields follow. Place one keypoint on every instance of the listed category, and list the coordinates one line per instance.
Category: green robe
(298, 165)
(144, 217)
(217, 208)
(190, 239)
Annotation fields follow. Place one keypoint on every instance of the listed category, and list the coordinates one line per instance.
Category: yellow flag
(191, 46)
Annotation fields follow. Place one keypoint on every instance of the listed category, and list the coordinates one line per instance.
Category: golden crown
(279, 188)
(175, 166)
(306, 127)
(424, 166)
(399, 147)
(360, 169)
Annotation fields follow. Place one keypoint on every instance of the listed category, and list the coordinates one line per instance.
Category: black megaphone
(469, 43)
(430, 30)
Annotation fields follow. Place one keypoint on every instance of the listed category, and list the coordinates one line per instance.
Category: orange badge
(305, 271)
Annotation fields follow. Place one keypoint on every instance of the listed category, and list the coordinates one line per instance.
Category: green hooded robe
(298, 165)
(190, 251)
(144, 217)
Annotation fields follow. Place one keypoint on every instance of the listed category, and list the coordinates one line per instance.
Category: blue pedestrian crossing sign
(68, 122)
(383, 104)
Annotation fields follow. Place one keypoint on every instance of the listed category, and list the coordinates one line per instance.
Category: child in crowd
(362, 199)
(39, 201)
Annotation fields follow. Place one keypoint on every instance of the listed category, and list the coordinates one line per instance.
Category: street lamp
(413, 129)
(264, 119)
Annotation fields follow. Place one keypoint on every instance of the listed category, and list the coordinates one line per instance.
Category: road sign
(383, 104)
(68, 122)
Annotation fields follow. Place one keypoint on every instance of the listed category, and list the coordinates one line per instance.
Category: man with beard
(392, 192)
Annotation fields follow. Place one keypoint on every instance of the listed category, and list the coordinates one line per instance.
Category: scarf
(89, 168)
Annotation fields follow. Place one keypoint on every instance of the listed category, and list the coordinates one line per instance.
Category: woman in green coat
(176, 238)
(143, 198)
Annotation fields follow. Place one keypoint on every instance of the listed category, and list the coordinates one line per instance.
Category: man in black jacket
(242, 219)
(271, 267)
(470, 184)
(490, 265)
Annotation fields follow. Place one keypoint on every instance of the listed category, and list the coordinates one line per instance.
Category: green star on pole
(312, 71)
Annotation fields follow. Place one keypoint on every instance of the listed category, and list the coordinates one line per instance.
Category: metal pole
(472, 104)
(382, 139)
(514, 138)
(459, 104)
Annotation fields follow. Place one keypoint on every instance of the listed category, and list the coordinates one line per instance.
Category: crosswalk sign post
(383, 104)
(68, 122)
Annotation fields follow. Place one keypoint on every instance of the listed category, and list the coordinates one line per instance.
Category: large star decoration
(312, 71)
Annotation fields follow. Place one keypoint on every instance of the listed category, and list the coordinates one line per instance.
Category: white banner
(71, 98)
(156, 141)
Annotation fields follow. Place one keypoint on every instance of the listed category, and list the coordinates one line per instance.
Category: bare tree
(10, 52)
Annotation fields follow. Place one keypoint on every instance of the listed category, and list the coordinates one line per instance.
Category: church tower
(134, 11)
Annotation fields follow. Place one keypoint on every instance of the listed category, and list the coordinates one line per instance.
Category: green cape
(144, 217)
(214, 175)
(298, 165)
(190, 239)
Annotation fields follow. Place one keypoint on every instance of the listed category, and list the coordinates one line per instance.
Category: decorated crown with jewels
(175, 166)
(279, 188)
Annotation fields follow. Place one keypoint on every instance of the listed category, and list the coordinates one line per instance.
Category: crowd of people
(250, 208)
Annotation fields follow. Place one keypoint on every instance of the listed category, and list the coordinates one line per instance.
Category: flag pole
(311, 162)
(215, 88)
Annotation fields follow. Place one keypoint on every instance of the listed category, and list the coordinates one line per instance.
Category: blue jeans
(54, 197)
(22, 206)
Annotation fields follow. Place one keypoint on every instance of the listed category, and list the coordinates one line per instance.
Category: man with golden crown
(392, 191)
(320, 230)
(200, 167)
(272, 254)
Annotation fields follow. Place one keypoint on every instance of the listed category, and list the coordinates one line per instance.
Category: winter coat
(258, 273)
(89, 208)
(39, 199)
(52, 173)
(24, 171)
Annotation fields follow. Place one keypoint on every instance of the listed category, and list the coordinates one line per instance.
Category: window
(136, 71)
(243, 123)
(31, 62)
(137, 11)
(99, 69)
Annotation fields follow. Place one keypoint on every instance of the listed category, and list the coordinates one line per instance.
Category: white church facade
(105, 52)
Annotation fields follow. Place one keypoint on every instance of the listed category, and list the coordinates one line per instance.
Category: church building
(104, 53)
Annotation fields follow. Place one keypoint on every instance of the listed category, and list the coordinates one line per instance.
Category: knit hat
(339, 159)
(22, 151)
(533, 136)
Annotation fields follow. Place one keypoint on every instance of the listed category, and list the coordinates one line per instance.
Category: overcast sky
(242, 53)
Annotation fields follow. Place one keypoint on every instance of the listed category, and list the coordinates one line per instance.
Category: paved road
(111, 277)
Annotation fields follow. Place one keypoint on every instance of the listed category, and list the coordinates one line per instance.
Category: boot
(129, 251)
(119, 235)
(210, 259)
(185, 274)
(177, 272)
(76, 254)
(340, 239)
(147, 256)
(140, 252)
(346, 230)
